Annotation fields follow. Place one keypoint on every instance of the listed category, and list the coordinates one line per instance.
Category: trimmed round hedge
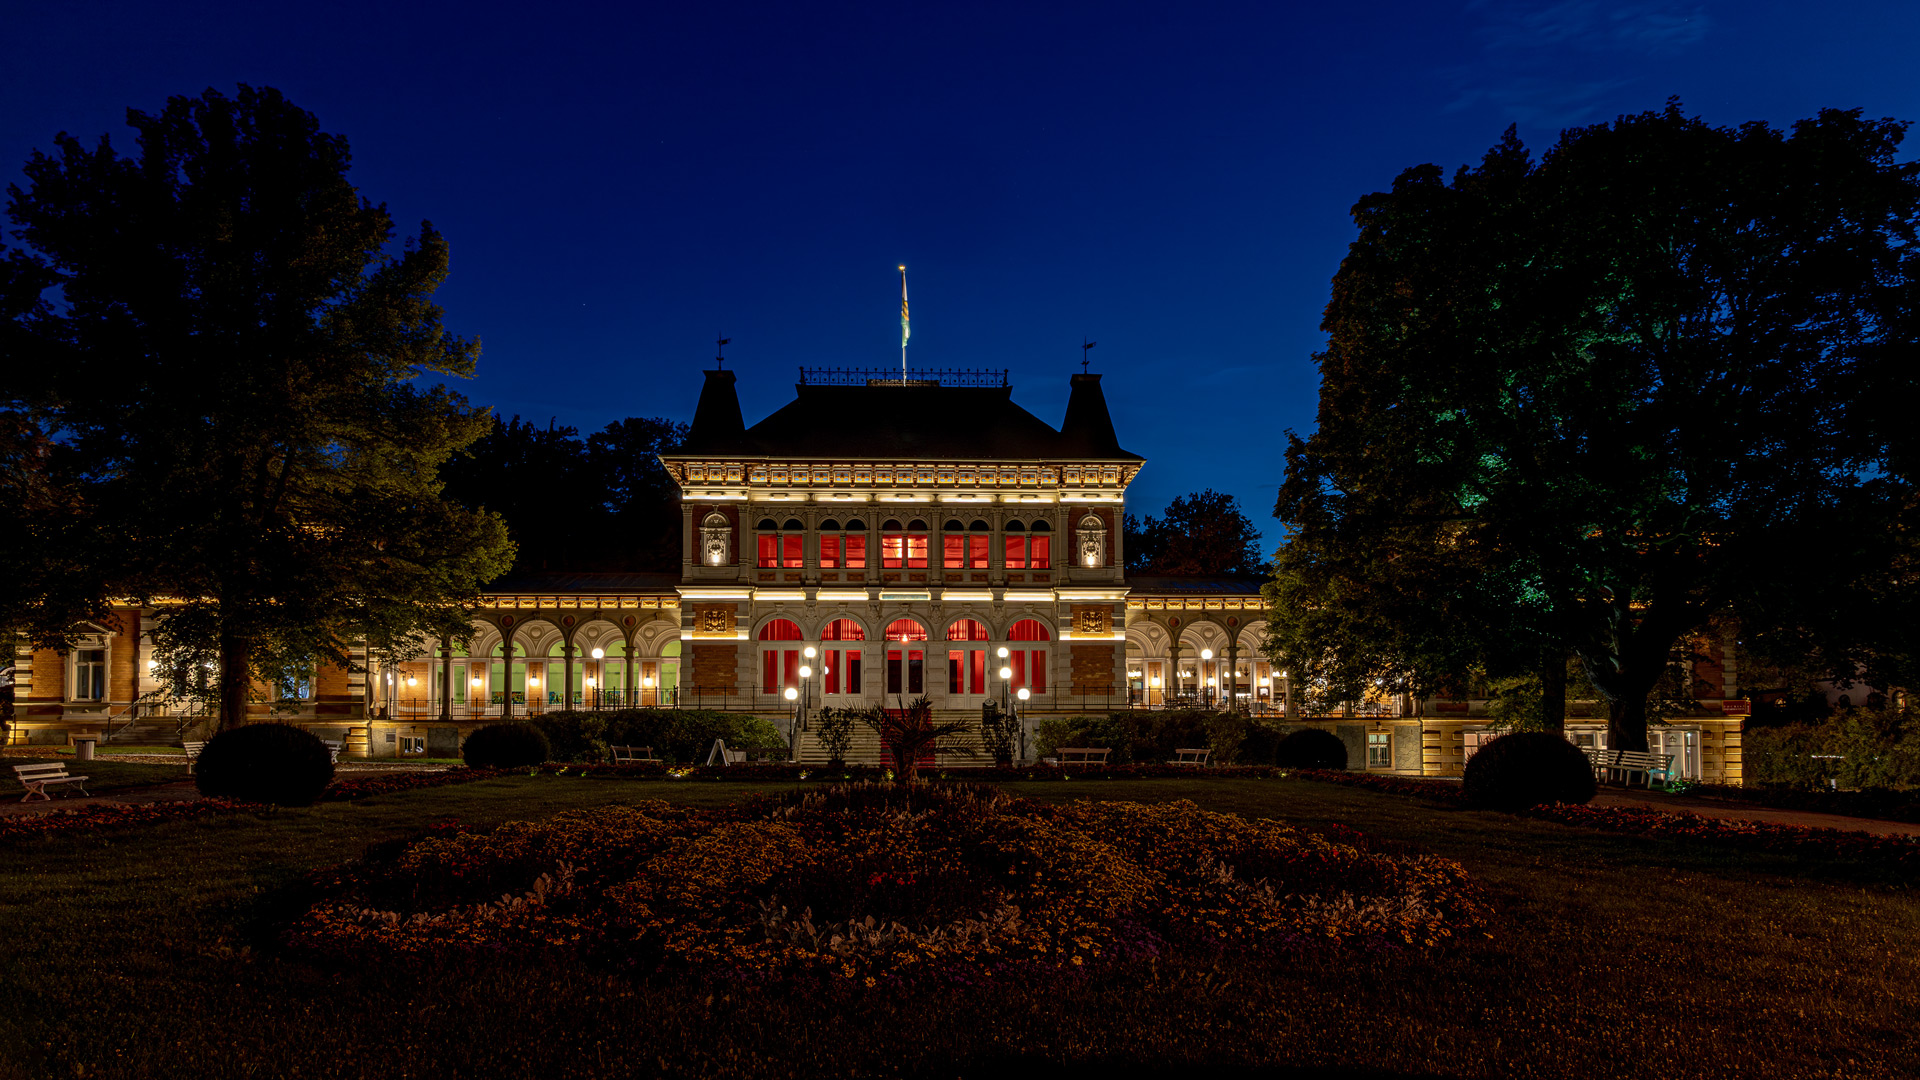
(506, 746)
(270, 763)
(1527, 768)
(1311, 748)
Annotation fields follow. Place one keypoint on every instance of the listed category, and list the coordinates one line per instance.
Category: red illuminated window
(843, 630)
(857, 552)
(829, 552)
(953, 554)
(968, 630)
(1037, 554)
(769, 551)
(794, 558)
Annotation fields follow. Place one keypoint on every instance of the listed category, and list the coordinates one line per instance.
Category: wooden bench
(1191, 755)
(1629, 763)
(193, 751)
(1082, 755)
(333, 749)
(633, 755)
(37, 778)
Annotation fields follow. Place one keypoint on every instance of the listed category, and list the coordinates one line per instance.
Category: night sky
(620, 183)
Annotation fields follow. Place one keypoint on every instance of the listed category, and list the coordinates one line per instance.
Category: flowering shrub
(114, 815)
(873, 880)
(364, 787)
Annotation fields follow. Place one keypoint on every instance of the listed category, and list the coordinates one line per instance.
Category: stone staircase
(865, 749)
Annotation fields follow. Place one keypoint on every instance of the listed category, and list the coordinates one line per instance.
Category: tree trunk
(236, 678)
(1627, 722)
(1553, 689)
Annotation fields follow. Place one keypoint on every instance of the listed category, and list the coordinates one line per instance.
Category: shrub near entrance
(1527, 768)
(269, 763)
(505, 746)
(1311, 748)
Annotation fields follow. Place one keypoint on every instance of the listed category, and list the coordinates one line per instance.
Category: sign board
(1740, 707)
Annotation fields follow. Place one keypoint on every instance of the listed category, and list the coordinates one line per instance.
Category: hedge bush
(270, 763)
(1310, 748)
(1142, 736)
(506, 746)
(682, 736)
(1525, 769)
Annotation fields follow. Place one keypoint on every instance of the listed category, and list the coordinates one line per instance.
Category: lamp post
(1020, 721)
(793, 738)
(598, 655)
(1206, 695)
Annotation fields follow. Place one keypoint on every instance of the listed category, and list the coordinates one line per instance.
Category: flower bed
(388, 783)
(116, 815)
(866, 881)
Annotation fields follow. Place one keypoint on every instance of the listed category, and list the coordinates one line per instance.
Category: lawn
(101, 775)
(150, 951)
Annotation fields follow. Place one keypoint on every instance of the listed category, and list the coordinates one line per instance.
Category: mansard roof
(914, 421)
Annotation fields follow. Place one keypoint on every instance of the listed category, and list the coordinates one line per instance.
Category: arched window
(839, 667)
(1040, 547)
(964, 550)
(903, 546)
(784, 630)
(1029, 664)
(782, 545)
(906, 658)
(1015, 552)
(779, 662)
(843, 630)
(966, 668)
(855, 546)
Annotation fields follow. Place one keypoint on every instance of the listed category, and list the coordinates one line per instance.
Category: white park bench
(633, 755)
(192, 750)
(37, 778)
(1191, 755)
(1082, 755)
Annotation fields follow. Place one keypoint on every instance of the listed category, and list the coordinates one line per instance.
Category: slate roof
(913, 422)
(569, 582)
(1164, 585)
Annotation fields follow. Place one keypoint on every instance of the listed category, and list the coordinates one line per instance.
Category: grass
(150, 952)
(104, 775)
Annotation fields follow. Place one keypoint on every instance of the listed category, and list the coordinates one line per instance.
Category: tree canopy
(1589, 404)
(1200, 535)
(600, 503)
(229, 376)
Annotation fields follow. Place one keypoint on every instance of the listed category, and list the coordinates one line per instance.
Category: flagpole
(903, 324)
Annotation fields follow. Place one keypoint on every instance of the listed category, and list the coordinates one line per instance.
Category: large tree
(1200, 535)
(238, 371)
(1662, 376)
(600, 503)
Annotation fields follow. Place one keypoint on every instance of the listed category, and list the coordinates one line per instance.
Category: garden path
(1657, 800)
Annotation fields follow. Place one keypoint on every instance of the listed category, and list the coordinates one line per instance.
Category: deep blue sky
(618, 182)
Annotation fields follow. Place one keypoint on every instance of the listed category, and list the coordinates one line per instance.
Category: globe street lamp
(1020, 720)
(793, 741)
(1206, 656)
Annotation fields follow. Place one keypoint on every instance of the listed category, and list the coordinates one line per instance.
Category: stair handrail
(132, 713)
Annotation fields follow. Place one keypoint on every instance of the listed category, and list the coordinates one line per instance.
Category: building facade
(876, 540)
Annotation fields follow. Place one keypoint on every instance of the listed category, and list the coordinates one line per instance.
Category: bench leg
(36, 789)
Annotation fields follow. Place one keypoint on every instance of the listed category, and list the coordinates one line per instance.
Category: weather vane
(720, 346)
(1084, 346)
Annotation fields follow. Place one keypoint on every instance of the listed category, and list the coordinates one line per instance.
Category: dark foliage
(1145, 737)
(1311, 748)
(506, 746)
(1201, 535)
(683, 736)
(622, 513)
(1527, 768)
(269, 763)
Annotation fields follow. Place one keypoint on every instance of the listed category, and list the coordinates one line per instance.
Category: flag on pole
(905, 331)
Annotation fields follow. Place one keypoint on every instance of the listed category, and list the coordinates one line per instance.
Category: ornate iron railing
(988, 377)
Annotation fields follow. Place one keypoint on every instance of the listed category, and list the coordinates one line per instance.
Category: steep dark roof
(914, 422)
(1088, 426)
(1158, 584)
(563, 582)
(716, 419)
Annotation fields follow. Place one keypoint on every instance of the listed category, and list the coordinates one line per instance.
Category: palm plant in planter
(909, 732)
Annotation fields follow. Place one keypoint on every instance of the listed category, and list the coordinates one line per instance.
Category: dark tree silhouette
(240, 375)
(1662, 376)
(1200, 535)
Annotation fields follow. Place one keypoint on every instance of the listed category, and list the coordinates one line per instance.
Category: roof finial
(1084, 346)
(720, 346)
